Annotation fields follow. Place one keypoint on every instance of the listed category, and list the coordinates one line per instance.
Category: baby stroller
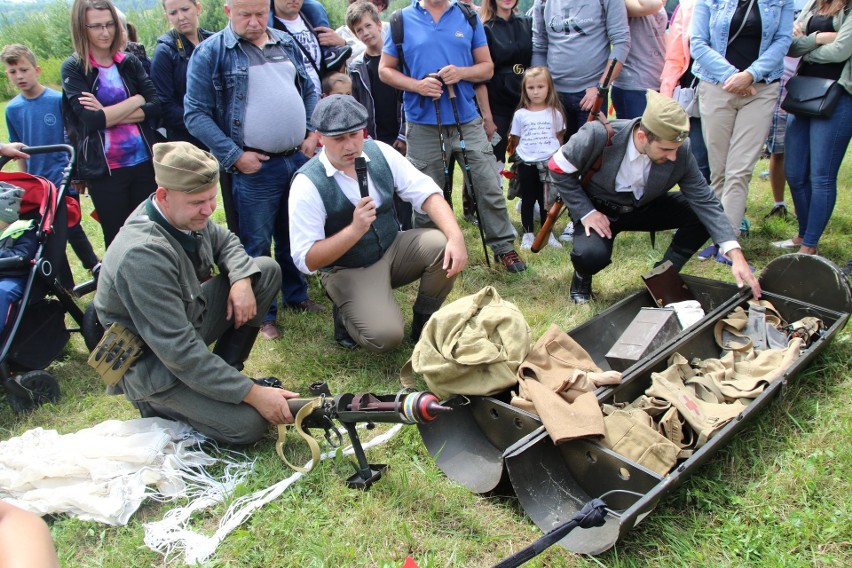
(35, 331)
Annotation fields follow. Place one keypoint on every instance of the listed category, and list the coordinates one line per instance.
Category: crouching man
(631, 192)
(354, 238)
(180, 282)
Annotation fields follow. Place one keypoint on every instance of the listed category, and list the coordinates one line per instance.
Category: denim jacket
(711, 28)
(215, 108)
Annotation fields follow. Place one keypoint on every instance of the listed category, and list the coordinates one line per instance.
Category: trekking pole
(471, 193)
(448, 190)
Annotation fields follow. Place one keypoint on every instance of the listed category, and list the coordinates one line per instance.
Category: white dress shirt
(307, 211)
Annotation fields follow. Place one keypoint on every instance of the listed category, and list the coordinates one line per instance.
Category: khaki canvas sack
(472, 346)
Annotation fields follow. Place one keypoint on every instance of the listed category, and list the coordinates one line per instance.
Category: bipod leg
(365, 473)
(468, 175)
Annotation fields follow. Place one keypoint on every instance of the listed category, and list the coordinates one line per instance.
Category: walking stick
(594, 114)
(471, 193)
(448, 190)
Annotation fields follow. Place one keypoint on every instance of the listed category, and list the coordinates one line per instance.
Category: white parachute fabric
(104, 473)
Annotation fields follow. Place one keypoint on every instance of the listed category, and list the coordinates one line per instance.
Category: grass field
(778, 495)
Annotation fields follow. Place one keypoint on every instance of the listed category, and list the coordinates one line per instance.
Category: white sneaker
(568, 234)
(527, 241)
(552, 242)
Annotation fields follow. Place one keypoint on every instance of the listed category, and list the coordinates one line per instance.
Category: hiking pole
(448, 190)
(471, 193)
(558, 205)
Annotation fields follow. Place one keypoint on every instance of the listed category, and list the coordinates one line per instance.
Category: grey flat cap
(339, 114)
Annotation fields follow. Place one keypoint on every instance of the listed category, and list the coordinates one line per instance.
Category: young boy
(34, 117)
(384, 104)
(385, 118)
(17, 238)
(336, 84)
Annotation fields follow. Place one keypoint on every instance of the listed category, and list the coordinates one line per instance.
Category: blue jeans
(698, 147)
(261, 202)
(818, 145)
(575, 117)
(628, 103)
(11, 290)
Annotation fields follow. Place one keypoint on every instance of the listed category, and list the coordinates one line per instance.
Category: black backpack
(398, 31)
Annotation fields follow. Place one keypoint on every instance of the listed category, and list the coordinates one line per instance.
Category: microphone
(361, 173)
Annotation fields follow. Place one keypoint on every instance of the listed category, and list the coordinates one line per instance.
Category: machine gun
(322, 409)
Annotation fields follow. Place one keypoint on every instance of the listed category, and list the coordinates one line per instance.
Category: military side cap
(339, 114)
(181, 166)
(665, 118)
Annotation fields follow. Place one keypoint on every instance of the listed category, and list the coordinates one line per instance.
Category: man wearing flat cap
(648, 156)
(180, 283)
(352, 236)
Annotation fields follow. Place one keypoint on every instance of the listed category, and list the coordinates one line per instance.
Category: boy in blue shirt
(34, 117)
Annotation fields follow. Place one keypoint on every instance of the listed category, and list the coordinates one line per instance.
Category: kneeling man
(631, 192)
(180, 282)
(352, 236)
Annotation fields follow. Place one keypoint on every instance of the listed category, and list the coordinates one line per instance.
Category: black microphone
(361, 173)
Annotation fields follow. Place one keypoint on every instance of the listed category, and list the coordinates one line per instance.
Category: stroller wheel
(91, 328)
(32, 389)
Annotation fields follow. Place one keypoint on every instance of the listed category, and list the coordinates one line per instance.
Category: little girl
(536, 134)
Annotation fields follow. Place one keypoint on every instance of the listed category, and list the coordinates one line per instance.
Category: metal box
(650, 329)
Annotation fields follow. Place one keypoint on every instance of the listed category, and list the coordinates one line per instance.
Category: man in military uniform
(631, 192)
(353, 238)
(180, 282)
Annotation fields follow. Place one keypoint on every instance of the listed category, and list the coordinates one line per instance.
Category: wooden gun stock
(544, 233)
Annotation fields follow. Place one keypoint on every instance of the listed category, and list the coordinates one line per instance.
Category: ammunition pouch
(117, 350)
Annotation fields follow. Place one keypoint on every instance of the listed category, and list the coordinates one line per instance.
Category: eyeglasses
(109, 26)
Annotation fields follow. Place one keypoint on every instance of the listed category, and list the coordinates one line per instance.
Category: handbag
(687, 97)
(813, 97)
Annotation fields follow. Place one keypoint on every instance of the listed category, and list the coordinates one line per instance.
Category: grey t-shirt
(575, 38)
(269, 124)
(647, 53)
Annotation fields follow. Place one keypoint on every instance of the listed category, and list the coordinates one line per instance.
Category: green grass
(777, 495)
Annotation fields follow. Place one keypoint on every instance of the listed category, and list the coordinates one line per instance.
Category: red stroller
(35, 331)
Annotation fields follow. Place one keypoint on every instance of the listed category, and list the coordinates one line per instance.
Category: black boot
(678, 257)
(235, 345)
(417, 322)
(581, 288)
(341, 336)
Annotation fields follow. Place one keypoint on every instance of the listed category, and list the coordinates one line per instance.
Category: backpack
(398, 31)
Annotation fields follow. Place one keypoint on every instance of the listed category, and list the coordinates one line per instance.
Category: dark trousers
(80, 242)
(532, 195)
(593, 253)
(575, 117)
(116, 196)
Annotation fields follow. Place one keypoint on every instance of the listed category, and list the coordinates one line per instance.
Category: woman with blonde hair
(108, 100)
(171, 58)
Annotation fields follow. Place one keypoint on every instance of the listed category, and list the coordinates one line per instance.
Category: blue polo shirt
(429, 46)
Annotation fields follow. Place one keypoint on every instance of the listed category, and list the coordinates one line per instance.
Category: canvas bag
(472, 346)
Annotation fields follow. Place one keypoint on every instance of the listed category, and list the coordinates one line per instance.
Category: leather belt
(516, 69)
(283, 154)
(612, 207)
